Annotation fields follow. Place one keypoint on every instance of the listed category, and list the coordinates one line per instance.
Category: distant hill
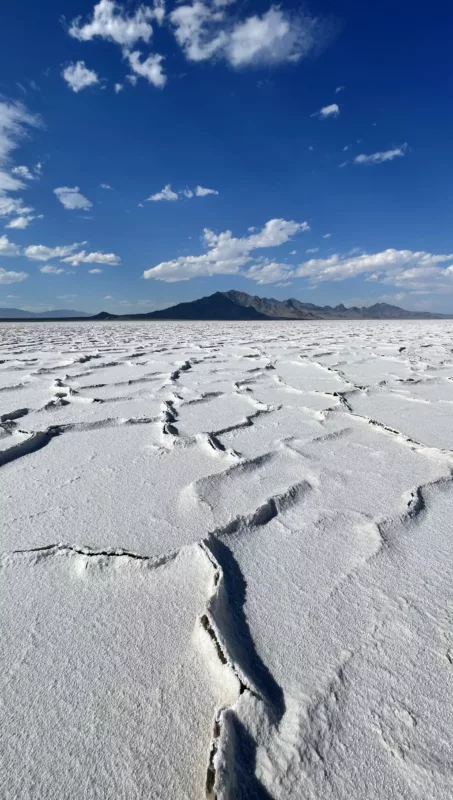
(237, 306)
(19, 313)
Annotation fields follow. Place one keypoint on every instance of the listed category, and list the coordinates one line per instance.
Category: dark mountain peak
(235, 305)
(105, 315)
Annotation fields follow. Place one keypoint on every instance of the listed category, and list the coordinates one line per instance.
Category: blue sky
(324, 138)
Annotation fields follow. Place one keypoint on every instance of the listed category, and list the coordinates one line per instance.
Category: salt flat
(226, 560)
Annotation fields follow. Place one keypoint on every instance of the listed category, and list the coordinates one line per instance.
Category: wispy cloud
(167, 193)
(40, 252)
(15, 124)
(380, 157)
(50, 270)
(11, 277)
(91, 258)
(328, 111)
(72, 198)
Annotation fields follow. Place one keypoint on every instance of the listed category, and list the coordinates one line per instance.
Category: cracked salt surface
(225, 560)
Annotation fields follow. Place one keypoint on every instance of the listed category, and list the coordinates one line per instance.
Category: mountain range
(19, 313)
(236, 306)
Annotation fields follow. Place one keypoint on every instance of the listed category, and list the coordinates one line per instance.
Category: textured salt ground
(429, 423)
(360, 643)
(104, 693)
(304, 648)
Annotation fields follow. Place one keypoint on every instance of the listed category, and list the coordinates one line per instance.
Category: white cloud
(49, 270)
(20, 222)
(227, 254)
(132, 79)
(418, 272)
(343, 164)
(269, 273)
(66, 297)
(110, 22)
(91, 258)
(293, 252)
(40, 252)
(379, 158)
(201, 191)
(118, 87)
(165, 194)
(15, 122)
(312, 250)
(105, 186)
(277, 36)
(389, 266)
(8, 248)
(150, 68)
(71, 198)
(108, 297)
(78, 76)
(339, 89)
(11, 277)
(95, 271)
(24, 173)
(328, 111)
(273, 38)
(327, 236)
(10, 206)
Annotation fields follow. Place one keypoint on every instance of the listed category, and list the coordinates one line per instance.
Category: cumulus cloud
(91, 258)
(150, 68)
(49, 270)
(118, 87)
(226, 254)
(206, 31)
(379, 158)
(201, 191)
(328, 111)
(79, 77)
(105, 186)
(11, 277)
(40, 252)
(8, 248)
(94, 271)
(415, 271)
(269, 273)
(273, 38)
(110, 21)
(71, 198)
(390, 266)
(165, 194)
(15, 124)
